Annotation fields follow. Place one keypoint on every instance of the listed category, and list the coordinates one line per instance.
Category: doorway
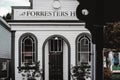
(56, 58)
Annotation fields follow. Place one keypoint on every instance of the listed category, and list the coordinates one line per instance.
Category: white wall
(42, 33)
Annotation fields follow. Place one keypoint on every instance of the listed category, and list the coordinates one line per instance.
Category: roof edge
(5, 24)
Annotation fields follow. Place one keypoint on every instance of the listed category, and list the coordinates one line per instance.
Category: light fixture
(85, 12)
(56, 38)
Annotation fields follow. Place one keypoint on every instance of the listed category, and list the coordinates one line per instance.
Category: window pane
(86, 42)
(56, 45)
(28, 57)
(28, 41)
(60, 45)
(84, 58)
(28, 54)
(84, 46)
(28, 48)
(51, 45)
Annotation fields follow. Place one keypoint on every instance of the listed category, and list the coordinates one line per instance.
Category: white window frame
(79, 39)
(33, 51)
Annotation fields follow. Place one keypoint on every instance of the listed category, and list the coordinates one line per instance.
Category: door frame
(43, 54)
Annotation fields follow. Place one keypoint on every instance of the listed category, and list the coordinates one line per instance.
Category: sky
(5, 5)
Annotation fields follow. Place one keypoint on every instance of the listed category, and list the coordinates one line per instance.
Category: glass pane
(51, 45)
(28, 57)
(28, 41)
(86, 42)
(84, 58)
(55, 45)
(28, 54)
(84, 46)
(28, 48)
(59, 45)
(28, 60)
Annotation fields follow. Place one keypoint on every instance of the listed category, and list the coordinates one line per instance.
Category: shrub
(81, 72)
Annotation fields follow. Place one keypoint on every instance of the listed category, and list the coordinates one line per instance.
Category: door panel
(55, 60)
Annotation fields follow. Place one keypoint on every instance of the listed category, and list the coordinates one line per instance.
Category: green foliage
(112, 35)
(115, 76)
(82, 71)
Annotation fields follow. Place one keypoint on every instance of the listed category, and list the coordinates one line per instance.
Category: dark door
(56, 59)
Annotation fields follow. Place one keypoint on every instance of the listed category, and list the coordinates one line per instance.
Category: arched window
(83, 48)
(28, 49)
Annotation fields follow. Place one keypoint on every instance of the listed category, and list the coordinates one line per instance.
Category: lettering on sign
(48, 13)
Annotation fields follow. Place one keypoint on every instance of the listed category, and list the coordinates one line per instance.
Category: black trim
(31, 3)
(5, 26)
(45, 21)
(19, 47)
(13, 55)
(48, 25)
(69, 54)
(88, 35)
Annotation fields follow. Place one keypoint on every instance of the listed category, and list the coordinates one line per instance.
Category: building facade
(49, 32)
(5, 49)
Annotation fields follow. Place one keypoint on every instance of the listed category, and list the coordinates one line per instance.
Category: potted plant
(30, 73)
(81, 72)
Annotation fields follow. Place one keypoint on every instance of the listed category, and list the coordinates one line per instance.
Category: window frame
(21, 39)
(24, 51)
(59, 48)
(79, 38)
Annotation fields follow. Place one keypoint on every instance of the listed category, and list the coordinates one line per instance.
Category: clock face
(85, 12)
(56, 4)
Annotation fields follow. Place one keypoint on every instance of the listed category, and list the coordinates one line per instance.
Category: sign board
(55, 10)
